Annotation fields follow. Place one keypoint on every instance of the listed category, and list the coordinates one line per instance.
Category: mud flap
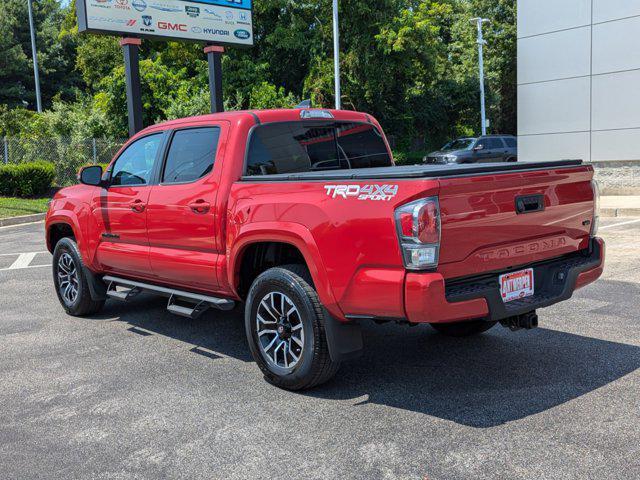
(344, 339)
(97, 288)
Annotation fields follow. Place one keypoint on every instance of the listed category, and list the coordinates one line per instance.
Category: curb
(5, 222)
(619, 191)
(620, 212)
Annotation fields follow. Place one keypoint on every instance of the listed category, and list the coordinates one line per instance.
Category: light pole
(336, 54)
(479, 21)
(35, 58)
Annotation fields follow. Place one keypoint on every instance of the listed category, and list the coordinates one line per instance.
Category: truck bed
(413, 171)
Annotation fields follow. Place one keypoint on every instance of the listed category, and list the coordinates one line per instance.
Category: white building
(579, 79)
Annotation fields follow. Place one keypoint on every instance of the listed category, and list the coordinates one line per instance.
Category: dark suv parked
(490, 148)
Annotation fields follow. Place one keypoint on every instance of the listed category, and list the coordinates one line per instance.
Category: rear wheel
(284, 323)
(71, 282)
(463, 329)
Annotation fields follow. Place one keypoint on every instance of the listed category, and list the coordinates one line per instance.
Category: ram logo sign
(373, 192)
(220, 22)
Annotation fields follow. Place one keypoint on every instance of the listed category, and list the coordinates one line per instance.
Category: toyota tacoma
(301, 217)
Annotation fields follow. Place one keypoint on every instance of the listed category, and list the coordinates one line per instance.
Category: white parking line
(21, 224)
(18, 253)
(620, 224)
(23, 260)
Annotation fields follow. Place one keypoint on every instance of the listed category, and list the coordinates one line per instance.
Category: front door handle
(200, 206)
(138, 206)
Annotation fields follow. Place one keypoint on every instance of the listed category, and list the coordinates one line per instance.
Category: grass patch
(16, 207)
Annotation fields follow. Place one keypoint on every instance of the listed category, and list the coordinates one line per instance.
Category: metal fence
(66, 153)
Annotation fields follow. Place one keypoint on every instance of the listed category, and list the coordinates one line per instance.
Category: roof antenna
(304, 104)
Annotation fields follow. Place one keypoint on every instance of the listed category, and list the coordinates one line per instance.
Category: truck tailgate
(482, 230)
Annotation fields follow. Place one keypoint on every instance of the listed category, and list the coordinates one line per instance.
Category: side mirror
(91, 175)
(477, 148)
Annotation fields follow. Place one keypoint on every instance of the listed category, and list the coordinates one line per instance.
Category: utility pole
(336, 53)
(479, 21)
(35, 58)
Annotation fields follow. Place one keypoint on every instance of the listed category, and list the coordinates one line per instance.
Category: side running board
(181, 302)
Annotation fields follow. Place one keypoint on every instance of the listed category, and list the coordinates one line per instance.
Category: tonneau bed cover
(413, 171)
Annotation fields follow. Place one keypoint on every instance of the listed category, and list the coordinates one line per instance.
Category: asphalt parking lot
(135, 392)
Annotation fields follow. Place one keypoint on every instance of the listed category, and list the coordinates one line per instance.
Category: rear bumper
(429, 298)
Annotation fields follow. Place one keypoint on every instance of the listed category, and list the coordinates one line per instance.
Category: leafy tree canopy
(412, 64)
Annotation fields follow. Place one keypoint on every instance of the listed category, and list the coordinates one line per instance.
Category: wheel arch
(293, 239)
(59, 229)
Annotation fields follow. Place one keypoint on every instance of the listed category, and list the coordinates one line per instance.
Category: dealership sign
(224, 22)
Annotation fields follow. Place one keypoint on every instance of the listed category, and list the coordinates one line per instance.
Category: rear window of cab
(301, 146)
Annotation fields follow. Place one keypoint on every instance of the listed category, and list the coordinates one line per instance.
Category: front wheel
(70, 280)
(463, 329)
(284, 323)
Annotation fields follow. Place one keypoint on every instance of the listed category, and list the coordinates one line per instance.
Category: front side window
(135, 165)
(191, 154)
(295, 147)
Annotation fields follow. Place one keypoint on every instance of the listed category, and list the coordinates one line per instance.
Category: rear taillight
(418, 225)
(596, 208)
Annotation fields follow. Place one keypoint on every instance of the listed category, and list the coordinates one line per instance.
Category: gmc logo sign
(181, 27)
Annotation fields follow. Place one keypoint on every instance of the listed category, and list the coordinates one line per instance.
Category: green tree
(411, 63)
(56, 56)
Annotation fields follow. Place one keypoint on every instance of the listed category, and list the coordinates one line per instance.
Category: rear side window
(191, 154)
(511, 142)
(295, 147)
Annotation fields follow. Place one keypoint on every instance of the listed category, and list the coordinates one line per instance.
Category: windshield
(460, 144)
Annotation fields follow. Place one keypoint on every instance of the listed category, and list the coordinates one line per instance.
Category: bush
(408, 158)
(26, 179)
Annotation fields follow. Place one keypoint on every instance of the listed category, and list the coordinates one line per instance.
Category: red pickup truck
(302, 216)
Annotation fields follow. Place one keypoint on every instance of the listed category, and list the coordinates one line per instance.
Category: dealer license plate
(516, 285)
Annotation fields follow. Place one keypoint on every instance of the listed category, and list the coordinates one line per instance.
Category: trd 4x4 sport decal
(365, 192)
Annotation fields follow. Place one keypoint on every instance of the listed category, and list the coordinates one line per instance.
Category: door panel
(492, 151)
(122, 220)
(182, 221)
(120, 210)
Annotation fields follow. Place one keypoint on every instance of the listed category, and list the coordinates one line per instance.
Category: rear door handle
(138, 206)
(200, 206)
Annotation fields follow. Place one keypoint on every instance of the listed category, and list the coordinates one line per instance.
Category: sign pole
(132, 74)
(214, 58)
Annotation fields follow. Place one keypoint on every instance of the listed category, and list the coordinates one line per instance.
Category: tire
(298, 334)
(70, 280)
(463, 329)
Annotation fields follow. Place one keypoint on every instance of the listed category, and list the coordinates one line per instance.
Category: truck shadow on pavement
(481, 382)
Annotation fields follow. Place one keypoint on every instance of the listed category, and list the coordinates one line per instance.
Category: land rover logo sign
(222, 22)
(242, 34)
